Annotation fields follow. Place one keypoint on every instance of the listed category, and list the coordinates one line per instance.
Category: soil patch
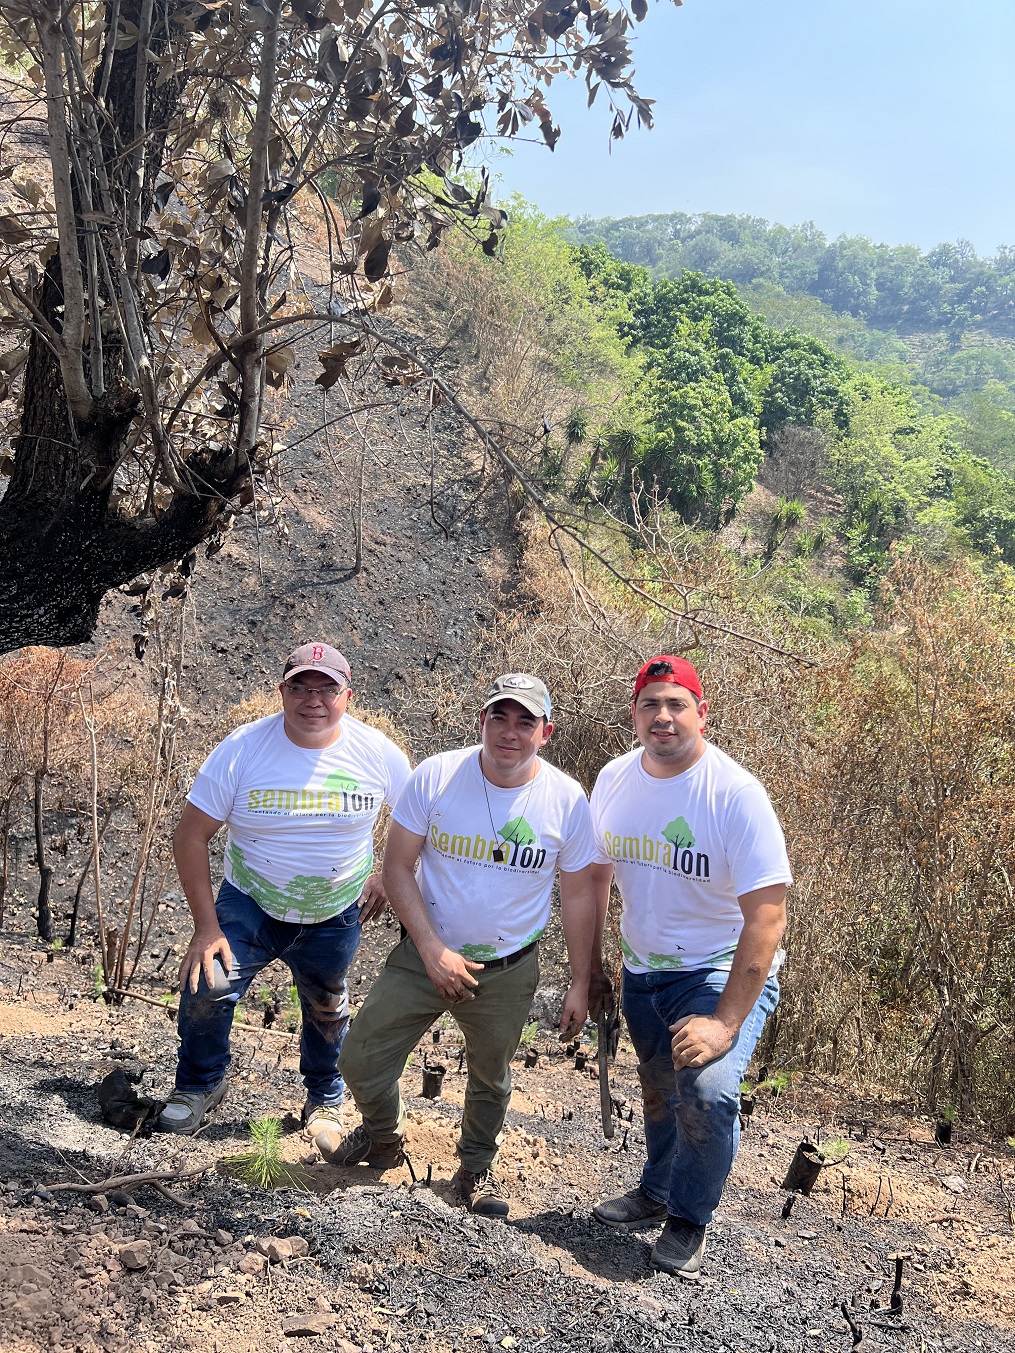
(364, 1261)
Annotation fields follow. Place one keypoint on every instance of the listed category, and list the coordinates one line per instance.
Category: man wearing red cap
(700, 863)
(299, 792)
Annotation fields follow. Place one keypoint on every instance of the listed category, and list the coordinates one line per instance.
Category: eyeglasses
(328, 694)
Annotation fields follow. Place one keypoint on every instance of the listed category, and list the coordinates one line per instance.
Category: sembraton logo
(517, 834)
(340, 794)
(672, 849)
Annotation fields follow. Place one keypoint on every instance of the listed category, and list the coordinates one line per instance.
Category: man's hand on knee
(204, 948)
(698, 1040)
(451, 974)
(373, 899)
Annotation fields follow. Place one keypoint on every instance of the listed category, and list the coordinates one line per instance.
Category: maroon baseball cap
(666, 667)
(318, 658)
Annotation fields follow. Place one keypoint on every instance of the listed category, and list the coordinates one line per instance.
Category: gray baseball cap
(528, 691)
(317, 658)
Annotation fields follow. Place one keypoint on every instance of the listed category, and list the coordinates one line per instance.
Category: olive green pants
(402, 1004)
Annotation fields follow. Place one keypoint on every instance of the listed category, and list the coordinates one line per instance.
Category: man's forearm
(602, 881)
(194, 869)
(751, 965)
(406, 901)
(578, 919)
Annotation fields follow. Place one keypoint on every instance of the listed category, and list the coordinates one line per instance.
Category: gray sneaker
(186, 1111)
(679, 1248)
(322, 1125)
(634, 1211)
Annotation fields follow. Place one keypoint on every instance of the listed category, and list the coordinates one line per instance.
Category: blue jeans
(692, 1127)
(318, 957)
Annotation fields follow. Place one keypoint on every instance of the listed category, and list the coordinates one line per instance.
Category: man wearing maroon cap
(299, 792)
(700, 863)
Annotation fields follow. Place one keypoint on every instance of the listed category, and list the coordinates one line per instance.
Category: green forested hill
(685, 388)
(888, 286)
(724, 391)
(941, 321)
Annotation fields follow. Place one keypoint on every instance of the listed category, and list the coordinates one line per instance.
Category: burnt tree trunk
(44, 912)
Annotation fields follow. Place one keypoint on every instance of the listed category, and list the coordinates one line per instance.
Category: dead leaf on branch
(126, 35)
(220, 171)
(280, 362)
(375, 265)
(158, 265)
(334, 361)
(398, 370)
(371, 235)
(12, 231)
(200, 332)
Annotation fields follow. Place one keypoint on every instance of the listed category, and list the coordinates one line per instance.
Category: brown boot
(483, 1193)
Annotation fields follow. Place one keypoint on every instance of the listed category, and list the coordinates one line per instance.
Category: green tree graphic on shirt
(629, 954)
(341, 782)
(479, 953)
(679, 834)
(308, 898)
(519, 831)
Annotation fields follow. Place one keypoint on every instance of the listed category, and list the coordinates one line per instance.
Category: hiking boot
(186, 1110)
(483, 1193)
(322, 1125)
(679, 1248)
(634, 1211)
(358, 1148)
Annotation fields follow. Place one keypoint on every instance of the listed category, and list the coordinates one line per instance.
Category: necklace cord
(498, 854)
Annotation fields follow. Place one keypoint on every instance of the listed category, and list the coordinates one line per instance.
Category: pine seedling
(835, 1150)
(529, 1034)
(262, 1166)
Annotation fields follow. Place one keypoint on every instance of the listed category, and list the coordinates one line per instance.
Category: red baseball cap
(666, 667)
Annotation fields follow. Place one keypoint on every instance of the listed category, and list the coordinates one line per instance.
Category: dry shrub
(499, 335)
(905, 823)
(42, 743)
(97, 741)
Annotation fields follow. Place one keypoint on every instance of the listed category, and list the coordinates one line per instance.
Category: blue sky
(894, 120)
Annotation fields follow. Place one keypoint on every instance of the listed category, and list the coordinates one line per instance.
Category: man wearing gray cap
(299, 792)
(476, 839)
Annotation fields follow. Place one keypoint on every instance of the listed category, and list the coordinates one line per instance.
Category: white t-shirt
(683, 850)
(300, 820)
(480, 907)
